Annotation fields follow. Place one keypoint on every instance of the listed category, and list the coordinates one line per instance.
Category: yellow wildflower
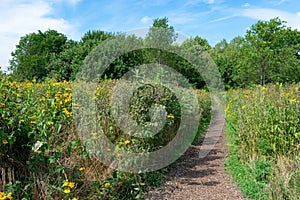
(75, 198)
(4, 142)
(170, 116)
(107, 185)
(292, 100)
(67, 191)
(81, 168)
(2, 196)
(65, 184)
(68, 89)
(71, 185)
(264, 88)
(58, 95)
(21, 121)
(127, 141)
(243, 107)
(67, 112)
(50, 123)
(120, 143)
(9, 195)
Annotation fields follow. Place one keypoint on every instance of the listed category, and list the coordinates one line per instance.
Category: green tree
(271, 49)
(32, 55)
(65, 65)
(267, 53)
(161, 34)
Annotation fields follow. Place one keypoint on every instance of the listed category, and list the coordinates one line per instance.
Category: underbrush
(42, 155)
(263, 128)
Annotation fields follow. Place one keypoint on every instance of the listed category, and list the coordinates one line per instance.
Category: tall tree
(65, 65)
(161, 34)
(272, 48)
(32, 54)
(267, 53)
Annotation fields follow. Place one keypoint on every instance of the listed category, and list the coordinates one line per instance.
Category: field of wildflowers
(42, 157)
(263, 126)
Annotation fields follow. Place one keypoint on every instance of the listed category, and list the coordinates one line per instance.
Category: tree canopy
(268, 52)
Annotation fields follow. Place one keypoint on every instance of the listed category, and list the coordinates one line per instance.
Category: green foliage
(265, 54)
(41, 156)
(161, 33)
(32, 55)
(263, 127)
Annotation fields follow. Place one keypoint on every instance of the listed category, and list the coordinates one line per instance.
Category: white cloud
(73, 2)
(20, 17)
(221, 19)
(146, 20)
(70, 2)
(194, 2)
(246, 5)
(292, 19)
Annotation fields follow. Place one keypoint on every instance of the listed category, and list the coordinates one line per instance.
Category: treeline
(269, 52)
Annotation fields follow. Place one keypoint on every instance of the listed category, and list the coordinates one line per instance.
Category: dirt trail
(195, 178)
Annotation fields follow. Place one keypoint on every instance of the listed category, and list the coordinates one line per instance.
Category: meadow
(263, 129)
(42, 156)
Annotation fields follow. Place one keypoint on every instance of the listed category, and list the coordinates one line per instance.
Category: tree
(272, 48)
(267, 53)
(161, 34)
(65, 65)
(32, 55)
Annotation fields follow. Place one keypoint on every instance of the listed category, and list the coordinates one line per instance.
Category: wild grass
(263, 126)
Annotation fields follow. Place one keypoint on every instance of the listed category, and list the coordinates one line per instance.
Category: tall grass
(263, 126)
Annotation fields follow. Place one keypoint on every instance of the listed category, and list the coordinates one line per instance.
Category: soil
(197, 177)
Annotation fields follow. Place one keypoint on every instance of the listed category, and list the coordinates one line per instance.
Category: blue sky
(210, 19)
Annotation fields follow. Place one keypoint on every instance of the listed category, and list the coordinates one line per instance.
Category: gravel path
(204, 177)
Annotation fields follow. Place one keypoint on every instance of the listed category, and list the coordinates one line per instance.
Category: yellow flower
(170, 116)
(50, 123)
(67, 191)
(71, 185)
(9, 196)
(107, 185)
(65, 184)
(120, 143)
(4, 142)
(21, 121)
(264, 88)
(292, 100)
(68, 89)
(75, 198)
(81, 168)
(2, 196)
(67, 112)
(127, 141)
(58, 95)
(243, 107)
